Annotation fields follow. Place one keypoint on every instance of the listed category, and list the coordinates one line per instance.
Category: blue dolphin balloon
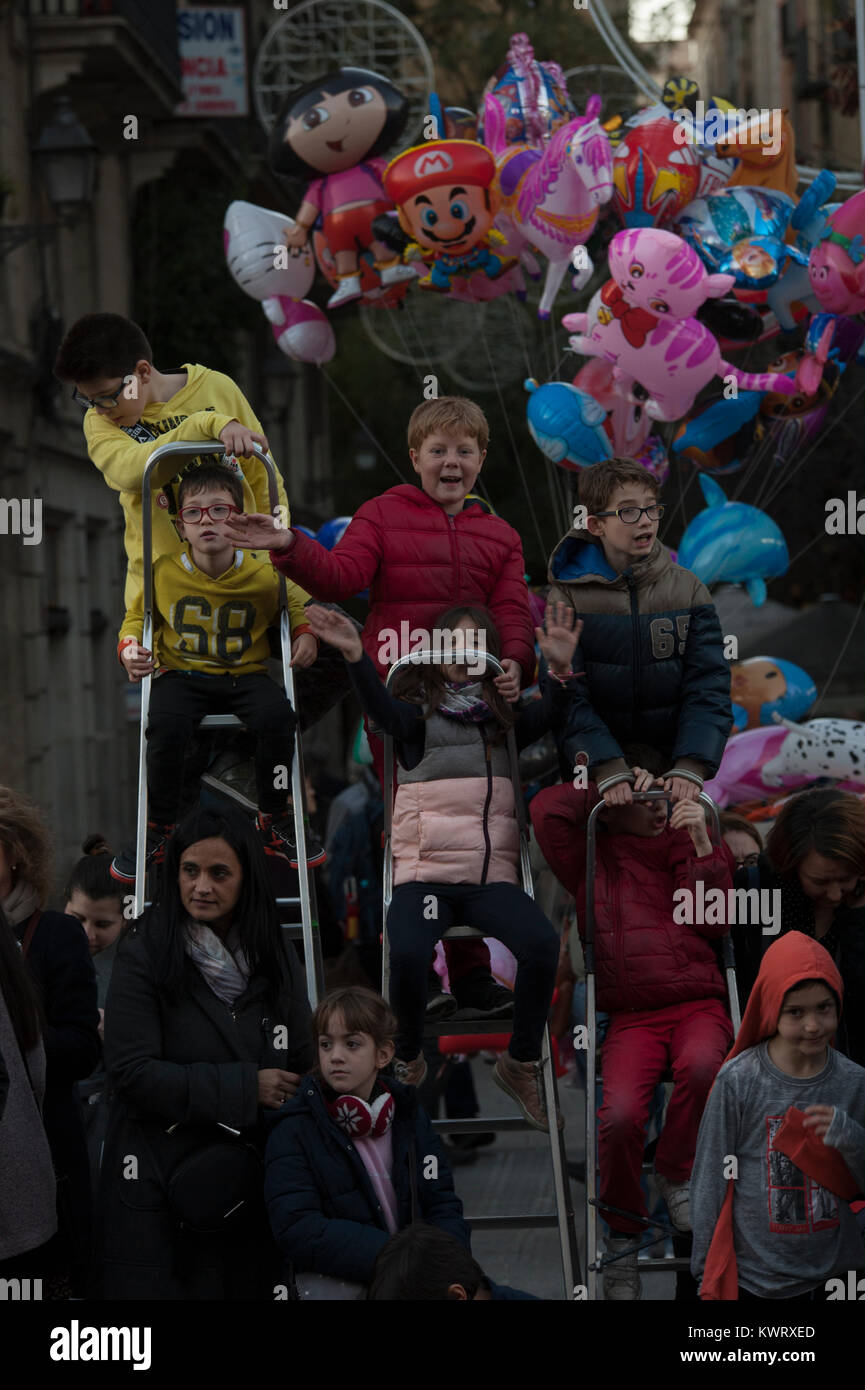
(566, 424)
(734, 543)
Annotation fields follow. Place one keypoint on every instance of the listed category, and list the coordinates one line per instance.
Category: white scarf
(225, 970)
(20, 903)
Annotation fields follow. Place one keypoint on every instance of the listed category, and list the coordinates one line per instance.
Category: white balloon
(257, 256)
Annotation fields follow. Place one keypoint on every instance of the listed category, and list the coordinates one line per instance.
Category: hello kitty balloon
(278, 276)
(643, 322)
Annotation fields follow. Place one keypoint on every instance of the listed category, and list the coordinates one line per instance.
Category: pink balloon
(836, 267)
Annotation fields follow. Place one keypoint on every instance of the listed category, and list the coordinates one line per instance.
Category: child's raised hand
(559, 636)
(690, 816)
(258, 531)
(304, 650)
(819, 1118)
(335, 628)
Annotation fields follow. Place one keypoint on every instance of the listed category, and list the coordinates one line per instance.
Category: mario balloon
(442, 192)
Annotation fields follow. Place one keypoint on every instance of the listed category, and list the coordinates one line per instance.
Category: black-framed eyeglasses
(631, 515)
(107, 402)
(221, 511)
(748, 861)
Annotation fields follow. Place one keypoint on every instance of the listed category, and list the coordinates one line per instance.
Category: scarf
(20, 904)
(225, 969)
(465, 703)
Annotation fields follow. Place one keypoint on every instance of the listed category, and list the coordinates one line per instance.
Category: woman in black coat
(58, 959)
(815, 857)
(206, 1024)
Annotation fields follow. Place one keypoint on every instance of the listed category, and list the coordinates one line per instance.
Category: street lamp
(67, 160)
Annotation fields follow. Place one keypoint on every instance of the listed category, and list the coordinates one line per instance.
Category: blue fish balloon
(733, 543)
(567, 424)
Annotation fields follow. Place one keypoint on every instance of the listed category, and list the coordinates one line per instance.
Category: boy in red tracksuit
(421, 551)
(658, 978)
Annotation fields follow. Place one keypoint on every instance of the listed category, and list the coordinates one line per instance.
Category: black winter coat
(653, 657)
(191, 1063)
(323, 1210)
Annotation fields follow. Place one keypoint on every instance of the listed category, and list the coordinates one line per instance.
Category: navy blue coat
(323, 1210)
(653, 657)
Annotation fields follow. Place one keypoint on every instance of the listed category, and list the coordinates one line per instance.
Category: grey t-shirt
(790, 1234)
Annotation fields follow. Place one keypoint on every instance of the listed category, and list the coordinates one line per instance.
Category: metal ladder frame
(306, 900)
(662, 1264)
(563, 1217)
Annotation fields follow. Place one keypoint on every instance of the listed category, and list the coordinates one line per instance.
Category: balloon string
(840, 655)
(516, 453)
(367, 431)
(821, 437)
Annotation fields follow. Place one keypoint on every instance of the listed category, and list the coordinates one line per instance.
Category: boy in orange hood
(781, 1147)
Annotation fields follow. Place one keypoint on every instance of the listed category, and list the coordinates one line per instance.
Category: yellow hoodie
(201, 408)
(215, 626)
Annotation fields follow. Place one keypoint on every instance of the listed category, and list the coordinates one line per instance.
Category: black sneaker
(277, 834)
(478, 995)
(122, 867)
(439, 1005)
(233, 775)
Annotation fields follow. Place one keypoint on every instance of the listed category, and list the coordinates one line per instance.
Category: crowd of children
(275, 1143)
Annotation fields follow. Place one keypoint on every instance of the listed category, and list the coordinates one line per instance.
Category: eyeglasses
(221, 511)
(101, 402)
(748, 861)
(631, 515)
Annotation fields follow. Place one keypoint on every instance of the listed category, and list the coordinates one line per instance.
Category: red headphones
(358, 1119)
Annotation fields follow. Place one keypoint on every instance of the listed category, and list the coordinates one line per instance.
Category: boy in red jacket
(657, 977)
(420, 551)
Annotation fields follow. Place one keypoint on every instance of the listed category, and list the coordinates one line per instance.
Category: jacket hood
(195, 377)
(579, 558)
(789, 960)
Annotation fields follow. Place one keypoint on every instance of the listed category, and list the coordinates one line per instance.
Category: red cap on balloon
(436, 163)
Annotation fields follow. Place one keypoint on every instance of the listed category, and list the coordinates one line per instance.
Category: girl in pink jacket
(455, 833)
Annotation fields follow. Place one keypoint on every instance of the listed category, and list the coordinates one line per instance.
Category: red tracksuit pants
(689, 1040)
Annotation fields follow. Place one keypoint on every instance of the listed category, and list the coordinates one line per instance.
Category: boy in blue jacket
(651, 648)
(352, 1159)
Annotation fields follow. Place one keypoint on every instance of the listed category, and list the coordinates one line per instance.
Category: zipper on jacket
(488, 848)
(455, 553)
(635, 629)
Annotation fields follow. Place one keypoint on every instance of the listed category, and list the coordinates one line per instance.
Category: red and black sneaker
(122, 867)
(277, 834)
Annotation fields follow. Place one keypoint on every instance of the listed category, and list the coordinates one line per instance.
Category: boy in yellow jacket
(212, 606)
(132, 409)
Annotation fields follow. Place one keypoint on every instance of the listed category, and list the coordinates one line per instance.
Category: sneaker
(439, 1005)
(394, 273)
(235, 777)
(347, 290)
(277, 833)
(411, 1073)
(122, 867)
(478, 995)
(622, 1282)
(677, 1195)
(523, 1082)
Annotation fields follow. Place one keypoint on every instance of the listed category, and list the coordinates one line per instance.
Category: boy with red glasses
(212, 606)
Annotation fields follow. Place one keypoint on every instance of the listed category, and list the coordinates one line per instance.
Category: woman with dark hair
(57, 956)
(815, 858)
(334, 131)
(28, 1206)
(206, 1025)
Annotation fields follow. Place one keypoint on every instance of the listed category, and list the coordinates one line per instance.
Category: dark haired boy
(781, 1148)
(651, 648)
(424, 1264)
(212, 606)
(132, 409)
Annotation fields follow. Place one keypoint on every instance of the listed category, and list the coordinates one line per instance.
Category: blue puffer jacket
(653, 657)
(323, 1210)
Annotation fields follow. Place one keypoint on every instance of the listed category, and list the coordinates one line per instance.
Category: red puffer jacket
(417, 561)
(643, 958)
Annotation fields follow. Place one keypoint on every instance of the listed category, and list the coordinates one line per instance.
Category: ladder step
(466, 1027)
(674, 1262)
(526, 1222)
(482, 1125)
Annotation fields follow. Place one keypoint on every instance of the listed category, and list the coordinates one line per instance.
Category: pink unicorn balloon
(550, 197)
(642, 321)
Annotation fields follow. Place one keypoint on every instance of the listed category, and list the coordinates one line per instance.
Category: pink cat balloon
(642, 321)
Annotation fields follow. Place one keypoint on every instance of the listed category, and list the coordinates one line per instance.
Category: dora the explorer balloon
(442, 193)
(333, 131)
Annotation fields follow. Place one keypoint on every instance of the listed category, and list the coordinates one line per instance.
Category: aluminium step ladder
(160, 466)
(562, 1217)
(594, 1263)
